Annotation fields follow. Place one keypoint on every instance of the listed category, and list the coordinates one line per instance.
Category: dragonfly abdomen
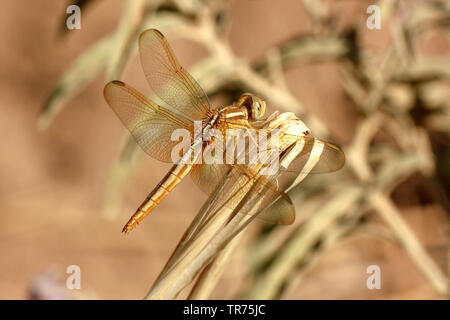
(174, 176)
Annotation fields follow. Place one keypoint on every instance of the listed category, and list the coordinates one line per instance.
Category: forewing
(149, 124)
(168, 79)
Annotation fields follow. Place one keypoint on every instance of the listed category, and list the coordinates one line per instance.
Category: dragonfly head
(255, 105)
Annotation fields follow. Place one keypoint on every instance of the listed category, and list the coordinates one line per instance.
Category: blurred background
(71, 177)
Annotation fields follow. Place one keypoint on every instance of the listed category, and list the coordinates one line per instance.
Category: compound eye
(256, 110)
(306, 132)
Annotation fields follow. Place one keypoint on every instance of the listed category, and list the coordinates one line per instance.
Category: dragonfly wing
(331, 156)
(280, 211)
(239, 187)
(168, 79)
(327, 156)
(149, 124)
(208, 176)
(314, 156)
(266, 199)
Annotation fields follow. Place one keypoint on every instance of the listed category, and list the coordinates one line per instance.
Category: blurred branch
(392, 216)
(85, 68)
(276, 277)
(125, 37)
(305, 49)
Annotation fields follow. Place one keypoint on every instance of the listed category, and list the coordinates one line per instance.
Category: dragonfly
(183, 102)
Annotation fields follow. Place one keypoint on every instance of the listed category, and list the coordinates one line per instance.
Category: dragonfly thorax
(233, 112)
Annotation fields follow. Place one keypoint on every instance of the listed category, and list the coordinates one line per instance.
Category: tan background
(52, 182)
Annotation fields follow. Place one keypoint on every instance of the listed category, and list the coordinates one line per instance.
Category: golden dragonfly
(183, 103)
